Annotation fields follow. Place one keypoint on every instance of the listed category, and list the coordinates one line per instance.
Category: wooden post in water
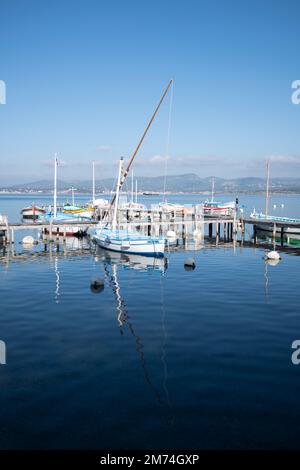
(7, 234)
(274, 231)
(12, 236)
(282, 236)
(255, 233)
(149, 223)
(210, 230)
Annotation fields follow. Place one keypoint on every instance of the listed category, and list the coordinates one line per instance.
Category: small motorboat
(32, 212)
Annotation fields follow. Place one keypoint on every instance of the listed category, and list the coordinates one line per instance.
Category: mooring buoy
(171, 234)
(273, 255)
(97, 285)
(197, 233)
(272, 262)
(28, 240)
(189, 264)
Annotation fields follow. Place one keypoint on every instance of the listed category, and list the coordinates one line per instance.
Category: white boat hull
(270, 228)
(146, 246)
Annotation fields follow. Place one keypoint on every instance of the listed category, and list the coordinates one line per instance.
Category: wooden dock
(276, 228)
(154, 222)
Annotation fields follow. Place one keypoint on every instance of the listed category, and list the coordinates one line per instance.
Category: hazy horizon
(83, 82)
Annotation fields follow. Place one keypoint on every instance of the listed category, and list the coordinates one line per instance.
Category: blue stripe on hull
(155, 255)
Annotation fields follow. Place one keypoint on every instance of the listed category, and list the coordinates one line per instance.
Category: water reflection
(111, 263)
(57, 280)
(131, 261)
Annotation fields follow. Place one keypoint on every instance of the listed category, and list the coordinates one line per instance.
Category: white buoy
(274, 206)
(197, 233)
(272, 262)
(273, 255)
(171, 234)
(28, 240)
(282, 206)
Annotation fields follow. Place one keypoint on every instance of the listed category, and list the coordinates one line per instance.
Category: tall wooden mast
(141, 141)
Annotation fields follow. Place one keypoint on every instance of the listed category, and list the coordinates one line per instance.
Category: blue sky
(84, 76)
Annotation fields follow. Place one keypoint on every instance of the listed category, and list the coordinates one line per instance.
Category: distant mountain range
(187, 183)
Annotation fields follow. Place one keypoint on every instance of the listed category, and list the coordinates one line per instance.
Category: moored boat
(124, 241)
(110, 236)
(32, 212)
(217, 208)
(268, 222)
(214, 208)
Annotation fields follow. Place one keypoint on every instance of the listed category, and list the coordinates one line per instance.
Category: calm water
(160, 358)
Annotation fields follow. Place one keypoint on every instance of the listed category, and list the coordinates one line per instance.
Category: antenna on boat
(141, 141)
(93, 182)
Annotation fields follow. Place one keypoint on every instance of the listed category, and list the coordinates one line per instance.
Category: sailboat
(215, 208)
(126, 241)
(265, 217)
(64, 218)
(110, 236)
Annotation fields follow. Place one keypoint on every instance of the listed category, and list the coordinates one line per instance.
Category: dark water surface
(160, 358)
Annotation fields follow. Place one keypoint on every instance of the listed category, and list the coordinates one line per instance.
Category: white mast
(267, 186)
(93, 184)
(55, 187)
(114, 222)
(212, 188)
(73, 199)
(136, 191)
(131, 187)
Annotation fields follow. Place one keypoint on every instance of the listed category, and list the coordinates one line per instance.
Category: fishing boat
(109, 236)
(215, 208)
(126, 241)
(76, 209)
(32, 212)
(63, 223)
(68, 231)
